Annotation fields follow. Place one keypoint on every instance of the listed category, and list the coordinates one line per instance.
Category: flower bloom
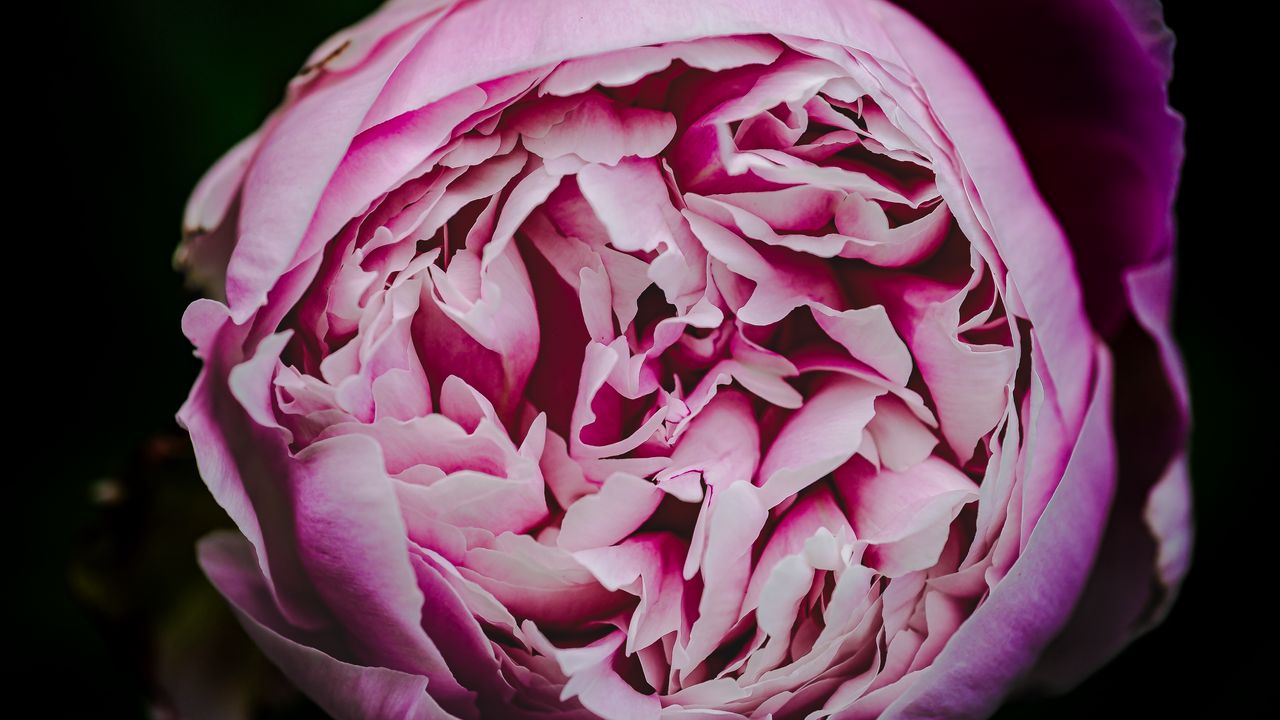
(677, 359)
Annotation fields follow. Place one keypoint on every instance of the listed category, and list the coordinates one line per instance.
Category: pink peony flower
(706, 359)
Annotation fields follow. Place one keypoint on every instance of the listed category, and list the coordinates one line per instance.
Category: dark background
(156, 90)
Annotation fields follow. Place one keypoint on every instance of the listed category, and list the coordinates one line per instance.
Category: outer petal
(353, 544)
(294, 163)
(489, 38)
(242, 461)
(1147, 548)
(1024, 612)
(1097, 132)
(1029, 240)
(1111, 181)
(342, 689)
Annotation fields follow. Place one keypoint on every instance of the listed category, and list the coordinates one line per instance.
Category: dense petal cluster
(721, 363)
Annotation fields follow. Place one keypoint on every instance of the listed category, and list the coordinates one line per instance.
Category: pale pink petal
(820, 437)
(623, 67)
(869, 336)
(907, 515)
(628, 279)
(801, 522)
(492, 343)
(736, 519)
(874, 241)
(631, 200)
(593, 681)
(432, 440)
(621, 506)
(470, 499)
(730, 215)
(540, 582)
(966, 381)
(600, 360)
(721, 442)
(598, 130)
(401, 394)
(784, 279)
(793, 79)
(647, 566)
(901, 439)
(799, 209)
(564, 476)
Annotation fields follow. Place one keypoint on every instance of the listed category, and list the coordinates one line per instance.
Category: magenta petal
(1147, 548)
(1150, 292)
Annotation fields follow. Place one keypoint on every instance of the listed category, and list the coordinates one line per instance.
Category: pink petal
(967, 382)
(1028, 608)
(869, 336)
(241, 461)
(601, 131)
(539, 582)
(736, 519)
(593, 681)
(877, 243)
(600, 360)
(721, 442)
(208, 239)
(344, 690)
(820, 437)
(654, 560)
(352, 543)
(621, 506)
(905, 516)
(632, 203)
(623, 67)
(282, 189)
(901, 439)
(1029, 241)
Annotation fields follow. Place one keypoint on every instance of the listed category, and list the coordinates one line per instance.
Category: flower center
(704, 358)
